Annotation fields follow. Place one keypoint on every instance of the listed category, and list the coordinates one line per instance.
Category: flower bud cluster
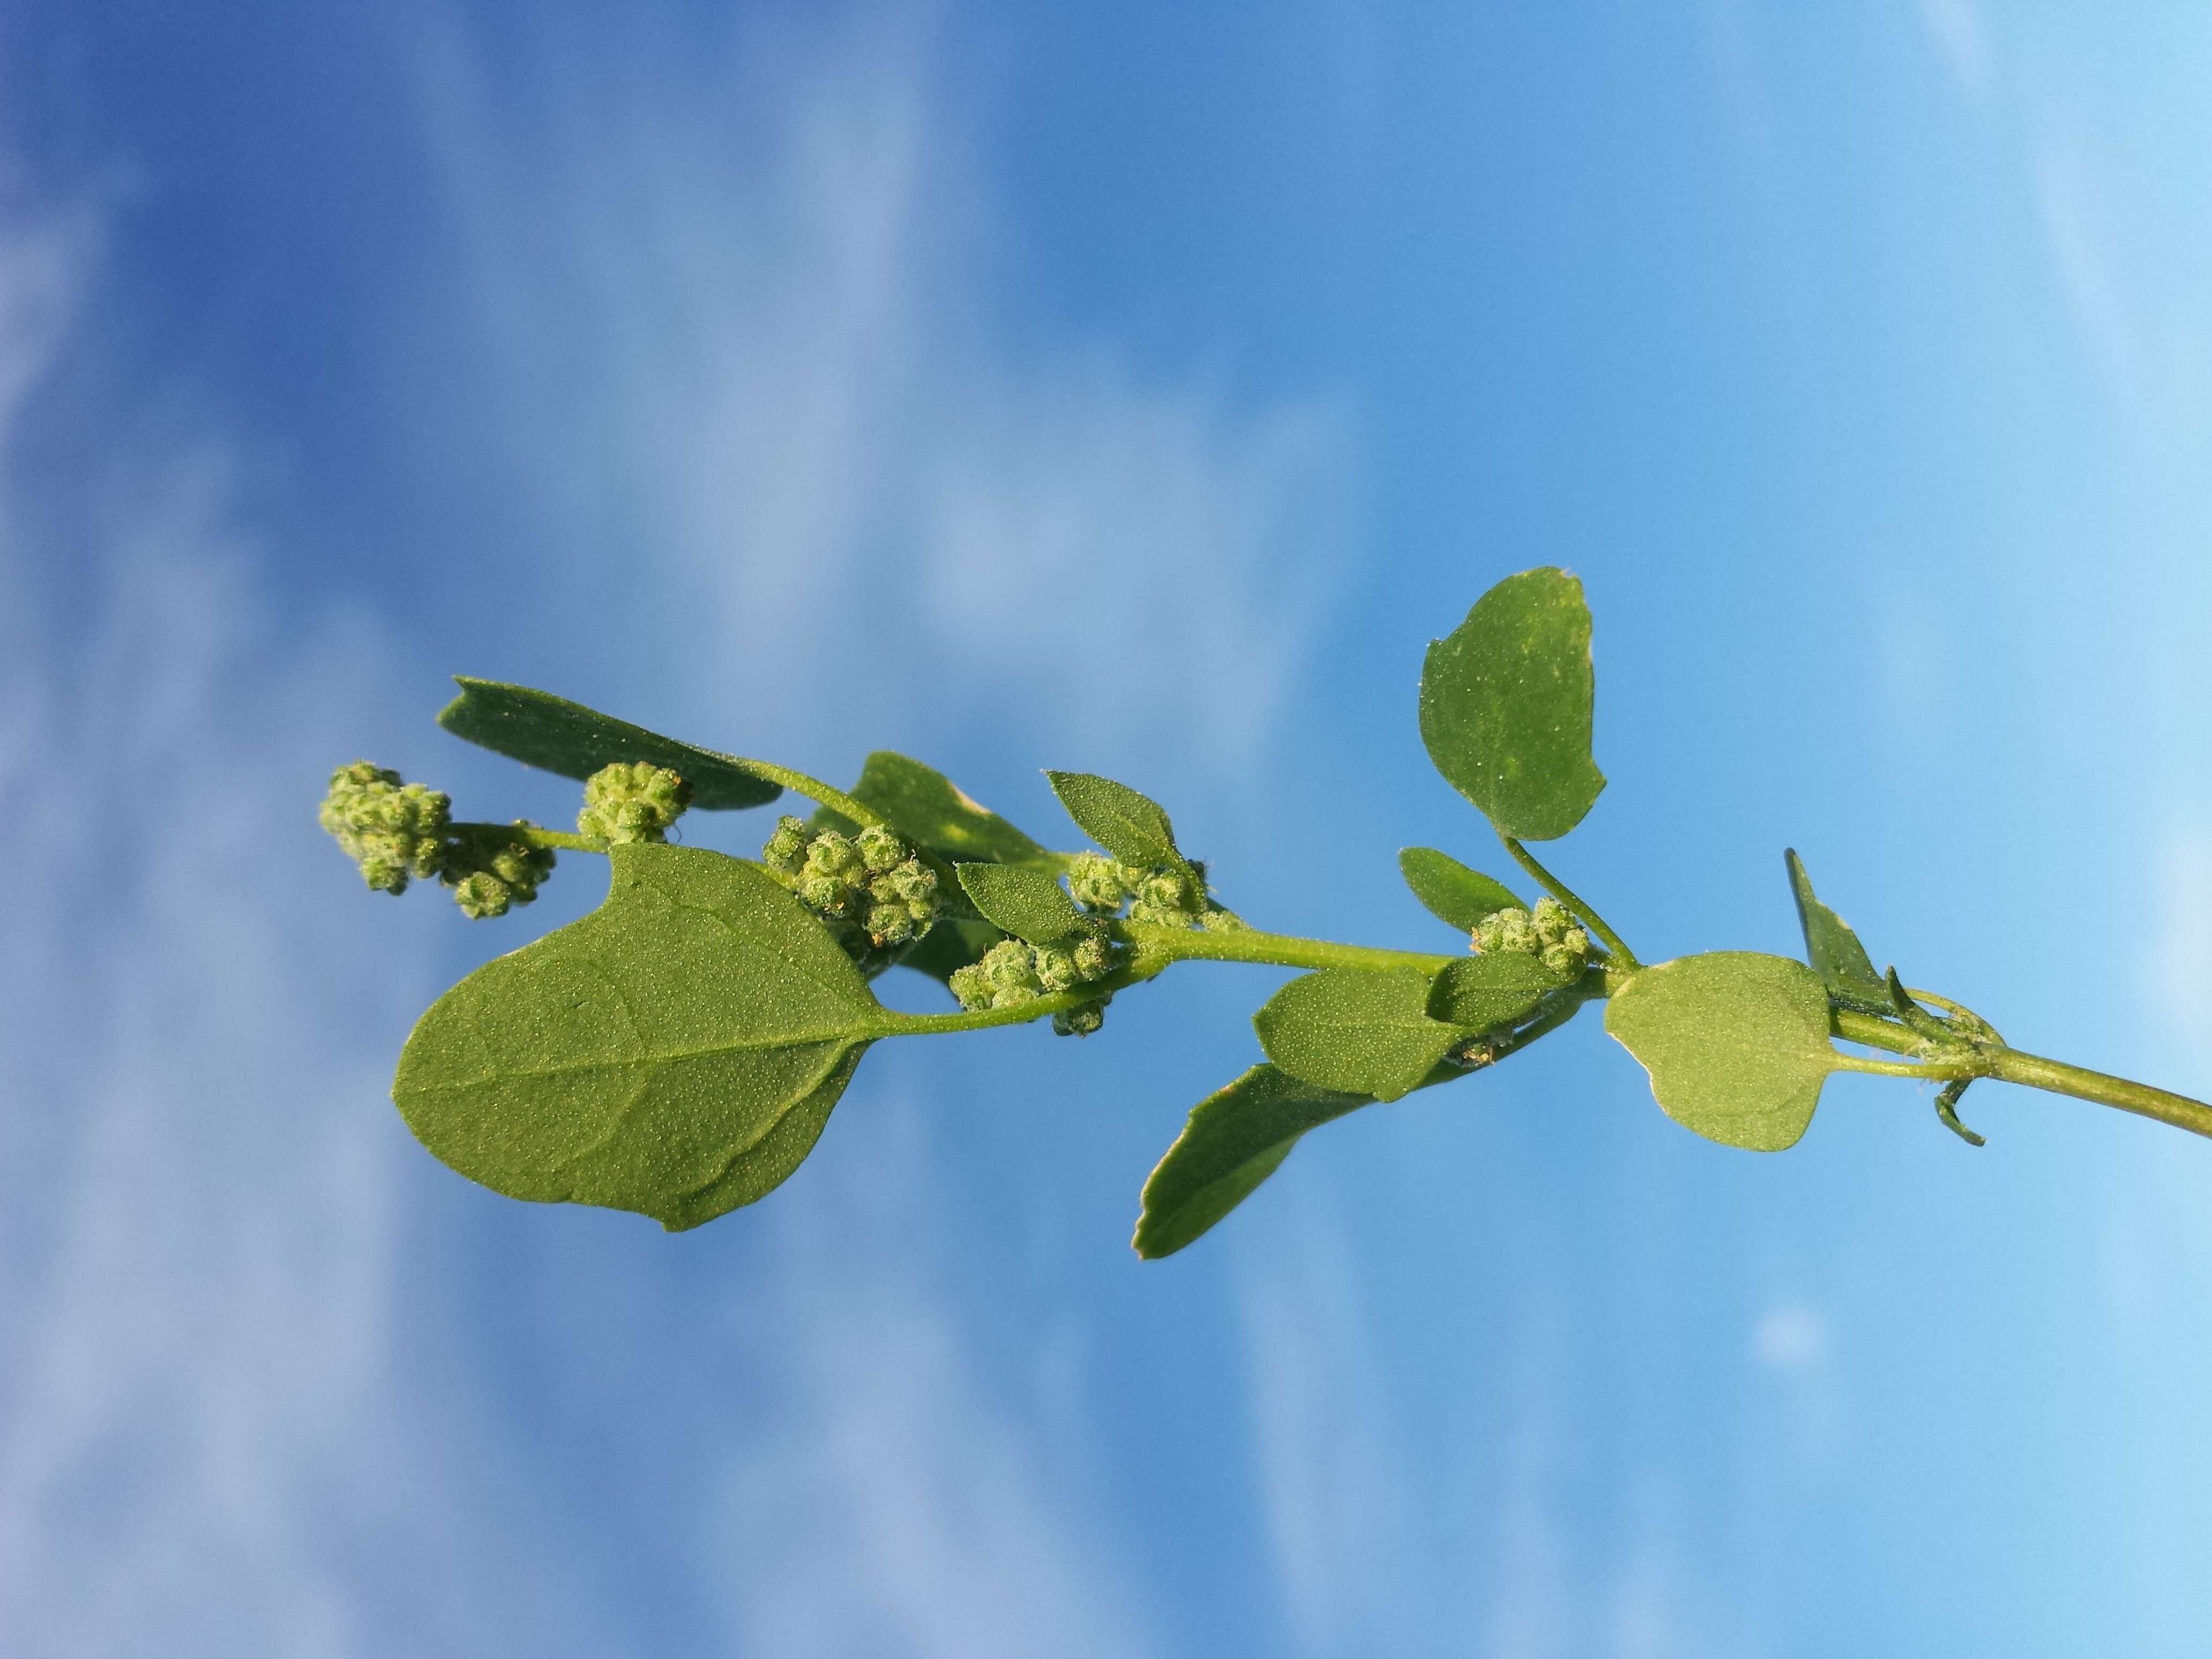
(632, 802)
(401, 831)
(491, 868)
(1547, 933)
(395, 831)
(872, 889)
(1166, 895)
(1012, 973)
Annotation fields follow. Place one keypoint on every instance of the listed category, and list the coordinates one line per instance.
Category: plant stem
(2011, 1065)
(2006, 1065)
(536, 836)
(1167, 944)
(1566, 896)
(814, 789)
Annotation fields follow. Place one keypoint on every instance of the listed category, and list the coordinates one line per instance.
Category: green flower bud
(1010, 967)
(1165, 890)
(1515, 932)
(393, 831)
(1056, 970)
(834, 856)
(1095, 882)
(483, 895)
(632, 801)
(1561, 960)
(879, 849)
(911, 884)
(830, 895)
(785, 852)
(490, 868)
(972, 986)
(1080, 1021)
(1550, 920)
(889, 925)
(1094, 956)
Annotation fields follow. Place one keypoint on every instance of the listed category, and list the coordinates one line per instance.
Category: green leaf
(1505, 706)
(539, 729)
(1027, 904)
(1453, 893)
(676, 1051)
(1133, 828)
(1834, 950)
(1359, 1030)
(951, 944)
(1235, 1139)
(930, 809)
(1488, 993)
(1736, 1043)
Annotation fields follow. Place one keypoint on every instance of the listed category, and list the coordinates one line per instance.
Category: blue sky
(1136, 390)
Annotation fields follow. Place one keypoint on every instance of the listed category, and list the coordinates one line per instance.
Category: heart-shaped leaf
(1235, 1139)
(1834, 950)
(676, 1051)
(539, 729)
(1505, 706)
(1025, 902)
(1453, 893)
(1133, 828)
(1490, 991)
(1736, 1043)
(1359, 1030)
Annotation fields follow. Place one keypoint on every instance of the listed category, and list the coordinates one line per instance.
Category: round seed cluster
(1166, 895)
(491, 869)
(395, 831)
(870, 890)
(632, 801)
(1012, 973)
(1549, 932)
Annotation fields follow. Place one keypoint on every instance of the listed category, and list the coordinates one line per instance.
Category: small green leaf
(1453, 893)
(1027, 904)
(1505, 706)
(676, 1051)
(1235, 1139)
(1358, 1030)
(950, 944)
(1834, 950)
(539, 729)
(1488, 993)
(930, 809)
(1133, 828)
(1736, 1043)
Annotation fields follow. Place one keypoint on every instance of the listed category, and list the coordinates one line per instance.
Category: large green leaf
(1736, 1043)
(1133, 828)
(1490, 991)
(1025, 902)
(1235, 1139)
(1505, 706)
(930, 809)
(1360, 1031)
(1452, 893)
(676, 1051)
(539, 729)
(1834, 950)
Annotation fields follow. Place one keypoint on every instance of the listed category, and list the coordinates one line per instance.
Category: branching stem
(1566, 896)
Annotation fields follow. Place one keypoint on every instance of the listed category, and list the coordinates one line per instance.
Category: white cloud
(1962, 41)
(1790, 1338)
(788, 365)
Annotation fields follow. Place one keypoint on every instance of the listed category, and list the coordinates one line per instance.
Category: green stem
(1948, 1071)
(2011, 1065)
(816, 791)
(1566, 896)
(1167, 944)
(533, 835)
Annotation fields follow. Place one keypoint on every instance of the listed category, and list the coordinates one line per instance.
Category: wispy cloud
(787, 362)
